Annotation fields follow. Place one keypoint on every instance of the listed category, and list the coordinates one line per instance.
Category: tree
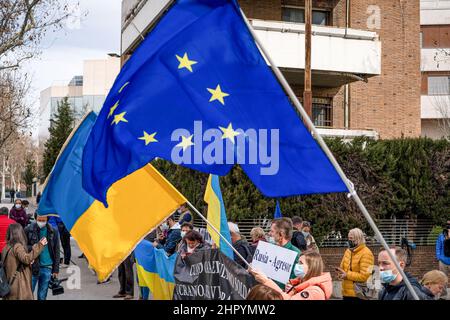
(29, 174)
(61, 125)
(23, 24)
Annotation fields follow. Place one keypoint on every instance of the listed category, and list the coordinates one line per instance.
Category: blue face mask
(305, 234)
(299, 270)
(271, 240)
(387, 276)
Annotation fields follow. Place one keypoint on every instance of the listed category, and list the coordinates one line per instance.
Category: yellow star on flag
(123, 87)
(119, 118)
(229, 133)
(113, 108)
(186, 142)
(185, 62)
(148, 138)
(217, 94)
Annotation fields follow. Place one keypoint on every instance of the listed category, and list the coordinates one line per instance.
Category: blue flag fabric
(277, 213)
(198, 92)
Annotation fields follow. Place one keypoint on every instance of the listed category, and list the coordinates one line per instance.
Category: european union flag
(277, 213)
(198, 92)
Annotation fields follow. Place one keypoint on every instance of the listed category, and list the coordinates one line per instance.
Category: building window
(322, 112)
(438, 85)
(292, 14)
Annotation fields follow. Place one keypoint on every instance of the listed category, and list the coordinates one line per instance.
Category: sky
(93, 36)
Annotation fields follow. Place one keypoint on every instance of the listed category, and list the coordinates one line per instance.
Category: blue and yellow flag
(155, 270)
(277, 213)
(198, 92)
(217, 216)
(138, 203)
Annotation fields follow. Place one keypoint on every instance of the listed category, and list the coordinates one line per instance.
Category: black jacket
(244, 250)
(32, 232)
(401, 292)
(298, 240)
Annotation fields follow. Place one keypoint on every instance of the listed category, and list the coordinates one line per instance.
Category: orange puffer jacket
(317, 288)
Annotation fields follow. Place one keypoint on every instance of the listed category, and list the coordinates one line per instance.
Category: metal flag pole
(327, 151)
(217, 231)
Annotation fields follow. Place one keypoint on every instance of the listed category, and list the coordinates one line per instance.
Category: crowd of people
(30, 251)
(30, 254)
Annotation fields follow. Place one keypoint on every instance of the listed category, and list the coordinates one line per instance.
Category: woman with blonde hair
(434, 284)
(311, 282)
(356, 265)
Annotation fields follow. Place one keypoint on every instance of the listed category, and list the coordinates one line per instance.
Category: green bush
(403, 178)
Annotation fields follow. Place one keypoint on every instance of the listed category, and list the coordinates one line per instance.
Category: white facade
(435, 108)
(86, 92)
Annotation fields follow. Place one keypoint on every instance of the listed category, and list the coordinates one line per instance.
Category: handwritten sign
(276, 262)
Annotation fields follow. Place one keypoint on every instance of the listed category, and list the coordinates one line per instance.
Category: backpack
(447, 247)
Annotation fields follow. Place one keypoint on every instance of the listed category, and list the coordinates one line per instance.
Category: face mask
(190, 250)
(299, 270)
(183, 233)
(41, 224)
(305, 234)
(387, 276)
(351, 244)
(18, 206)
(271, 240)
(164, 226)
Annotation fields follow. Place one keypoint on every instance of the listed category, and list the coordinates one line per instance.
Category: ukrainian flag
(155, 270)
(138, 203)
(217, 215)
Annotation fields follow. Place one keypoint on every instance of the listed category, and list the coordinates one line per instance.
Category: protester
(170, 241)
(298, 239)
(185, 215)
(12, 195)
(185, 228)
(443, 250)
(17, 262)
(356, 265)
(18, 214)
(5, 222)
(126, 279)
(280, 234)
(257, 234)
(64, 237)
(394, 288)
(240, 244)
(310, 241)
(194, 242)
(262, 292)
(434, 284)
(311, 283)
(47, 266)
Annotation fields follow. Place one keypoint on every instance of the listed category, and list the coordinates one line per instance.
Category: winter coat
(244, 250)
(32, 233)
(184, 248)
(5, 222)
(21, 286)
(317, 288)
(19, 216)
(358, 264)
(169, 244)
(401, 292)
(298, 240)
(440, 250)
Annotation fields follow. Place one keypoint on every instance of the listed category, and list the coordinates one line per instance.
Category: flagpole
(217, 231)
(327, 151)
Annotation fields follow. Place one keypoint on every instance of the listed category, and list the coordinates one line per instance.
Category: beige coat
(21, 287)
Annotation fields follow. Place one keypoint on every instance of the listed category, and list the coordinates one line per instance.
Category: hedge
(402, 178)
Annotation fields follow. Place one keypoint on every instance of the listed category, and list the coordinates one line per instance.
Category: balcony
(435, 107)
(338, 57)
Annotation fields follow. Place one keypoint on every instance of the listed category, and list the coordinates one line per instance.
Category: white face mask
(190, 250)
(41, 224)
(183, 233)
(18, 206)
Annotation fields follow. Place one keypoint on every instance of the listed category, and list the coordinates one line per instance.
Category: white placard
(276, 262)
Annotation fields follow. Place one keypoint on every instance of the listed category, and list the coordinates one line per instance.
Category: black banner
(210, 275)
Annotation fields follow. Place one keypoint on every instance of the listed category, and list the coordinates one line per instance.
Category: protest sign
(210, 275)
(274, 261)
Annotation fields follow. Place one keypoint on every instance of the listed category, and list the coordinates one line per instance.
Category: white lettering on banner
(196, 269)
(274, 261)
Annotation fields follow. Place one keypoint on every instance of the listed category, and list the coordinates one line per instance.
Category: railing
(393, 231)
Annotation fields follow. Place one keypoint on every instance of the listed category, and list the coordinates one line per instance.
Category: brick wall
(423, 259)
(389, 103)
